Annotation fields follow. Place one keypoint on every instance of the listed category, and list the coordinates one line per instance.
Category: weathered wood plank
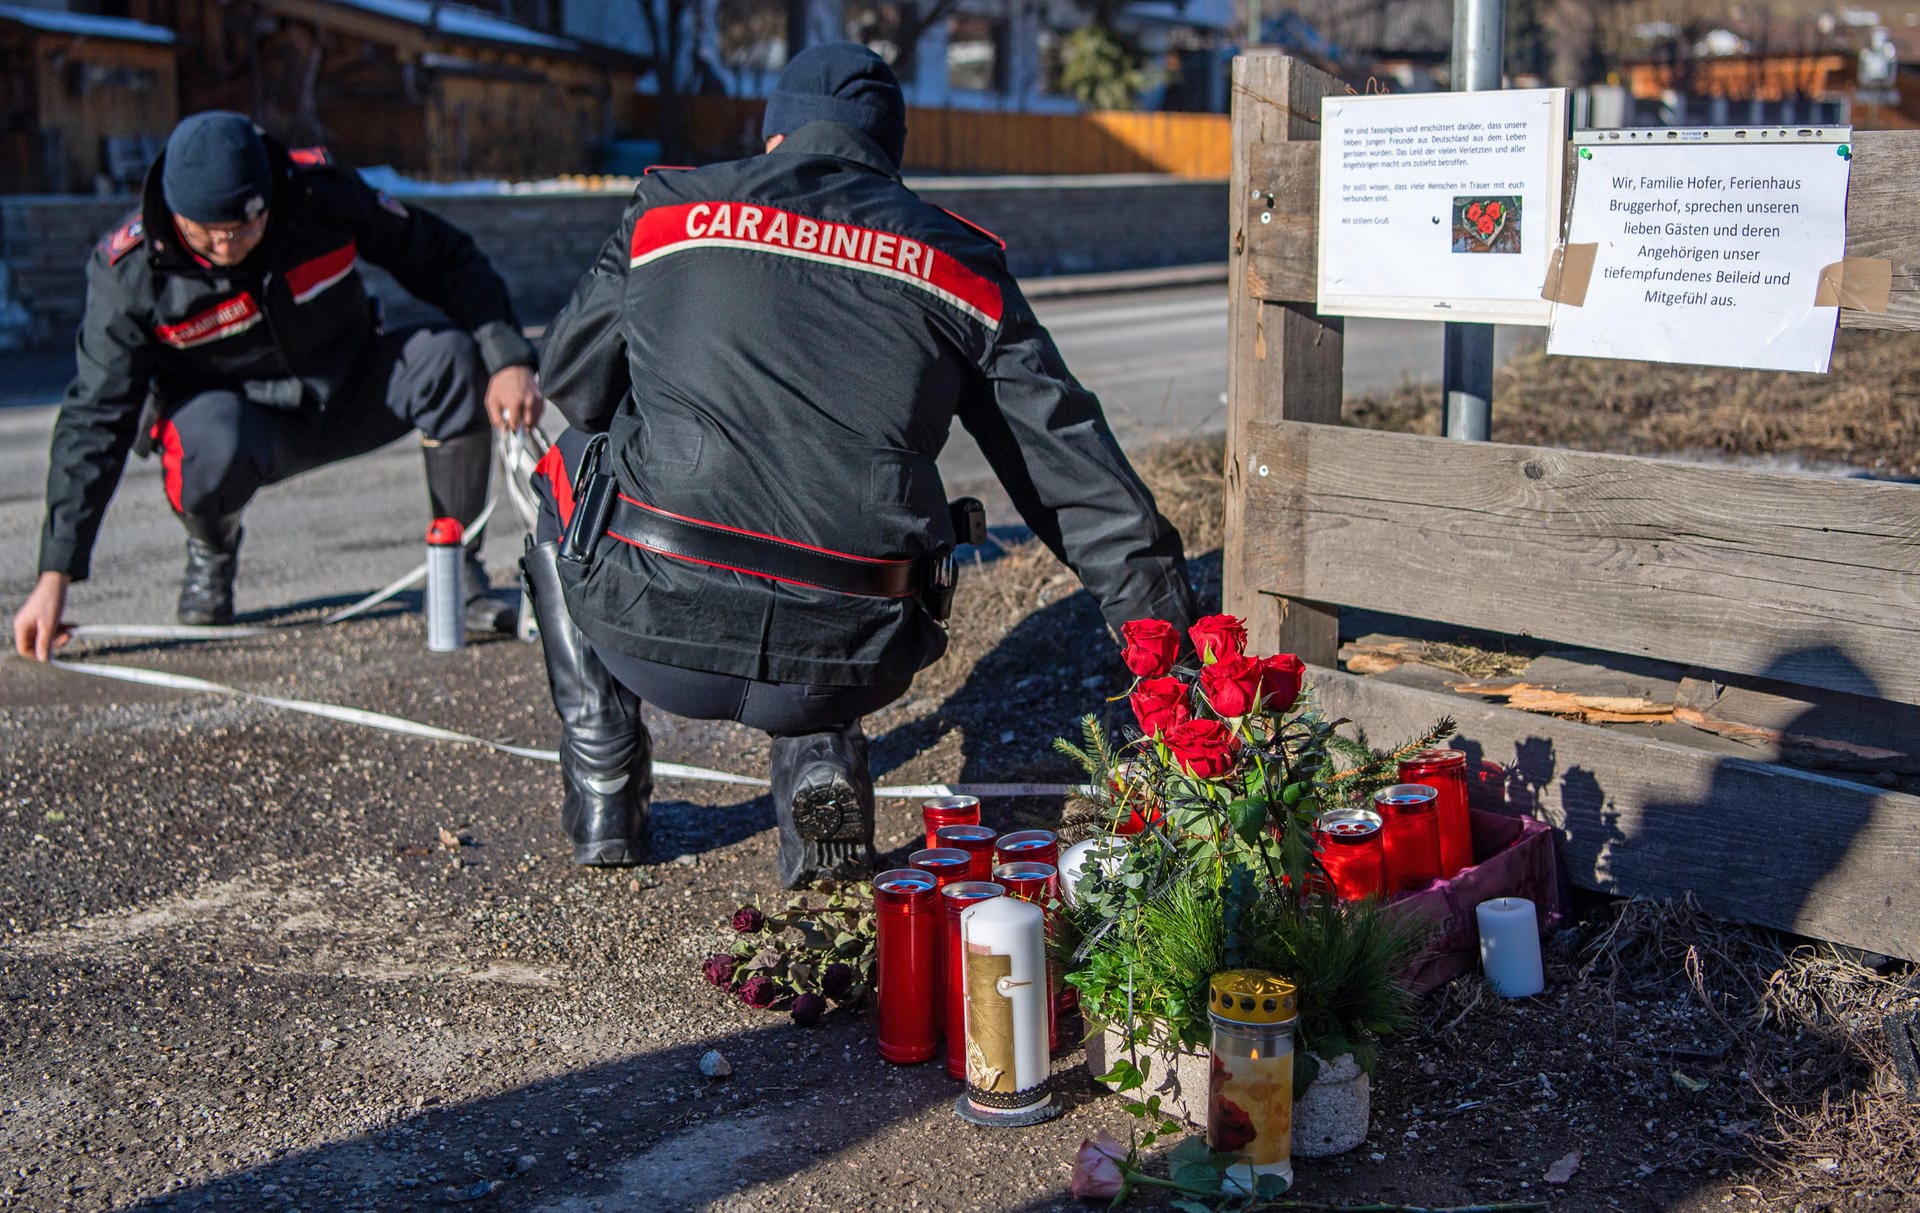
(1641, 817)
(1283, 359)
(1282, 255)
(1801, 579)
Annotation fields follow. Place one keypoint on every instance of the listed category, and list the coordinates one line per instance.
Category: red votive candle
(907, 925)
(1028, 846)
(956, 898)
(946, 865)
(949, 811)
(976, 841)
(1133, 795)
(1409, 834)
(1445, 771)
(1038, 883)
(1348, 844)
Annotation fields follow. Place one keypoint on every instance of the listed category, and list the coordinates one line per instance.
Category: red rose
(1217, 635)
(747, 920)
(719, 968)
(1493, 210)
(1152, 644)
(1160, 703)
(1486, 227)
(1473, 211)
(1231, 683)
(1205, 749)
(1280, 681)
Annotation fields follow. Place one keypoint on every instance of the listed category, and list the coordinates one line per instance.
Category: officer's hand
(37, 628)
(513, 398)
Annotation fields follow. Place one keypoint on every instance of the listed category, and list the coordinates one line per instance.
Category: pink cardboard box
(1515, 858)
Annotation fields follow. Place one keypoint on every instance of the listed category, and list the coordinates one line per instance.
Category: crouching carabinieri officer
(230, 311)
(760, 370)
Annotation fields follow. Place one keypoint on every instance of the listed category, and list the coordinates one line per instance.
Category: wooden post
(1283, 359)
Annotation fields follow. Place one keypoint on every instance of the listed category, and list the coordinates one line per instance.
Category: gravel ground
(259, 960)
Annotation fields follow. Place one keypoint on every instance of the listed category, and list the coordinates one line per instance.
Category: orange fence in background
(977, 141)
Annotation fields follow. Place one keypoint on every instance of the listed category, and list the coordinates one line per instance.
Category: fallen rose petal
(1096, 1168)
(1563, 1168)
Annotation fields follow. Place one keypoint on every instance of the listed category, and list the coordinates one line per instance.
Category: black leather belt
(725, 547)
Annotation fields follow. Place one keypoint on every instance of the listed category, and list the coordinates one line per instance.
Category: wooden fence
(1738, 574)
(1193, 146)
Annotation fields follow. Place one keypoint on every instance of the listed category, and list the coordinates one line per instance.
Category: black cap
(841, 82)
(217, 169)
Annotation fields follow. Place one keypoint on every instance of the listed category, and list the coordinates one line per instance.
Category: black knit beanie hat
(841, 82)
(217, 169)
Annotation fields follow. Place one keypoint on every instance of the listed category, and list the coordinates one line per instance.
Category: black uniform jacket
(284, 328)
(780, 345)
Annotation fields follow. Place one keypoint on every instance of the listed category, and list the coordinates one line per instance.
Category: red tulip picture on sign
(1486, 224)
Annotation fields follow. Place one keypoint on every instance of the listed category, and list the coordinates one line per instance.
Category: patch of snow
(86, 24)
(461, 22)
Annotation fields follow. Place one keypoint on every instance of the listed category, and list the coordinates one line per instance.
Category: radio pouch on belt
(593, 496)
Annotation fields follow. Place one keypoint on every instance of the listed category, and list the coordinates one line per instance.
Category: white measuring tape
(519, 451)
(413, 728)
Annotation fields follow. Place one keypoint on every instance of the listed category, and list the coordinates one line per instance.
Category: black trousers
(218, 449)
(781, 709)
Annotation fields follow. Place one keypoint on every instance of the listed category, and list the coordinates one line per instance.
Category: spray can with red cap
(446, 587)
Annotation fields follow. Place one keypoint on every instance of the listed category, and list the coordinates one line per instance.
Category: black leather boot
(457, 473)
(823, 798)
(606, 756)
(213, 555)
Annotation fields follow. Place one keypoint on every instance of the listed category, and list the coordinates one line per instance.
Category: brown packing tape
(1861, 283)
(1568, 273)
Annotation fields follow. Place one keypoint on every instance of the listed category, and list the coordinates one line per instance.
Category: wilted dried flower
(761, 992)
(719, 969)
(836, 980)
(807, 1009)
(747, 920)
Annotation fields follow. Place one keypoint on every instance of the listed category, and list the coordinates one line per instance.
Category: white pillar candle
(1510, 946)
(1007, 996)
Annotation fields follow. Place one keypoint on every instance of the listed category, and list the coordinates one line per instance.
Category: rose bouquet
(1209, 798)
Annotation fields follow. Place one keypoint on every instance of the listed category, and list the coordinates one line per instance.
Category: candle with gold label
(1006, 1022)
(1250, 1089)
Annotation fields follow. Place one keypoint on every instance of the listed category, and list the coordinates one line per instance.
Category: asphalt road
(1156, 358)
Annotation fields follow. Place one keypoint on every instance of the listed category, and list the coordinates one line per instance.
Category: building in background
(85, 100)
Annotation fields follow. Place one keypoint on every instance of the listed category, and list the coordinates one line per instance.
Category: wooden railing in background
(1802, 582)
(1194, 146)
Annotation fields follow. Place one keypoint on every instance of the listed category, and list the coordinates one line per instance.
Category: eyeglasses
(223, 235)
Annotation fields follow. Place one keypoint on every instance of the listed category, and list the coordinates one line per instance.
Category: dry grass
(1865, 412)
(1800, 1029)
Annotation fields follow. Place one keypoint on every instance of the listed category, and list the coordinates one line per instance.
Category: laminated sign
(1713, 247)
(1440, 206)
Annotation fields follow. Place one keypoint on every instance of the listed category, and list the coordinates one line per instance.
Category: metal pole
(1479, 54)
(1253, 22)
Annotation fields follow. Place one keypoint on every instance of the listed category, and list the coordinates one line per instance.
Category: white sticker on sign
(1707, 254)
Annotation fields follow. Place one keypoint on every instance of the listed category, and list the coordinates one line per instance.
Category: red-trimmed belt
(723, 547)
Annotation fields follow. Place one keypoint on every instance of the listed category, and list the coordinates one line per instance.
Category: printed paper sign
(1440, 206)
(1706, 253)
